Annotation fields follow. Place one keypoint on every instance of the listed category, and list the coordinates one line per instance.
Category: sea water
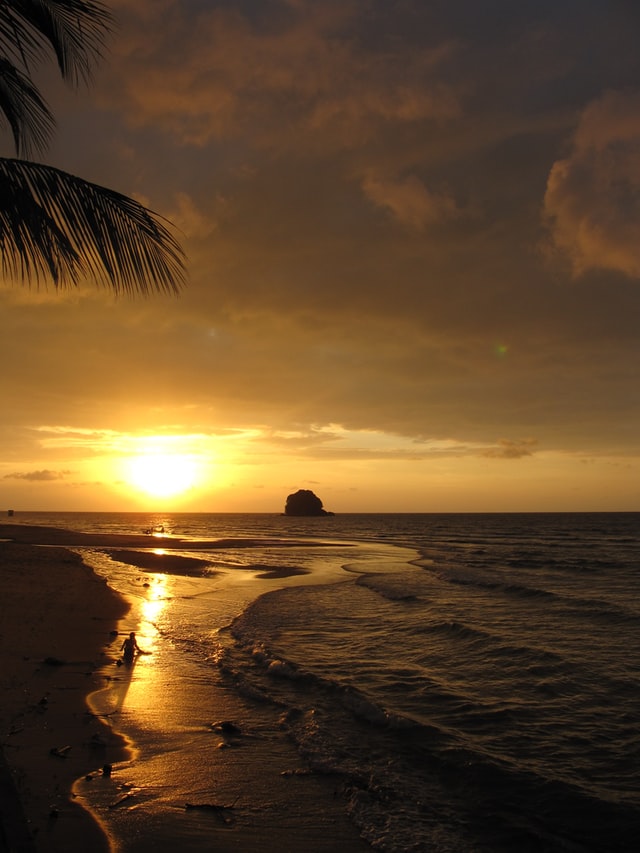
(467, 682)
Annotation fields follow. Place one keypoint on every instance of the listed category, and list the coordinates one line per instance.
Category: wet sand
(55, 630)
(58, 636)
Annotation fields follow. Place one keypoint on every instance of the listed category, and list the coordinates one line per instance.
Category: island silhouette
(304, 502)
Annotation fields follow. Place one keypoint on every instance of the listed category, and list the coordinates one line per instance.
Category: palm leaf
(30, 120)
(74, 29)
(60, 227)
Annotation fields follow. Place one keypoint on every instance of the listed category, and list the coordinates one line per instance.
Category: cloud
(285, 73)
(410, 201)
(190, 220)
(37, 476)
(593, 195)
(507, 449)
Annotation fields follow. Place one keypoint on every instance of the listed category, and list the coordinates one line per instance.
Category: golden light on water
(153, 606)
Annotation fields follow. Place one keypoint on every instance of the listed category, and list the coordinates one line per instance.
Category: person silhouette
(129, 648)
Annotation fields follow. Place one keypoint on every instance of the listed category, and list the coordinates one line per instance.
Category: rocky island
(304, 502)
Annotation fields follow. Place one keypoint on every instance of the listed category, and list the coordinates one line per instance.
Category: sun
(162, 475)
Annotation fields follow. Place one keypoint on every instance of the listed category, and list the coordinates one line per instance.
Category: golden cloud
(593, 196)
(410, 201)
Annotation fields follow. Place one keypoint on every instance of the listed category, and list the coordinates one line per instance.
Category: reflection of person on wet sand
(130, 647)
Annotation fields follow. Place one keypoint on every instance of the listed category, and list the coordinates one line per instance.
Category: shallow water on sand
(170, 702)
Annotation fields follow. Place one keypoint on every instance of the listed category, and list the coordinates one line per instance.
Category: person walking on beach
(130, 647)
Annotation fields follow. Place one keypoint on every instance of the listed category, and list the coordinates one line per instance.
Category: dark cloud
(37, 476)
(507, 449)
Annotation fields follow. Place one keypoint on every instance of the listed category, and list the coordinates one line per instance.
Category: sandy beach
(61, 631)
(58, 621)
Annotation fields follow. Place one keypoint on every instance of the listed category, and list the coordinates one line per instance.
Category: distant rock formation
(304, 502)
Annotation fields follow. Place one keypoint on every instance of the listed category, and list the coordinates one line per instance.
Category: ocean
(460, 682)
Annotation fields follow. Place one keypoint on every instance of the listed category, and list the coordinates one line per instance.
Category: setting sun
(162, 475)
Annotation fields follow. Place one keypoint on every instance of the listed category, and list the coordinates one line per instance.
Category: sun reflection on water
(152, 607)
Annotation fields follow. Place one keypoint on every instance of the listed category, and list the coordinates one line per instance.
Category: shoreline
(58, 621)
(41, 535)
(60, 609)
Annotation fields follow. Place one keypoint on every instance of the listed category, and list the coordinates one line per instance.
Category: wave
(568, 603)
(415, 786)
(391, 587)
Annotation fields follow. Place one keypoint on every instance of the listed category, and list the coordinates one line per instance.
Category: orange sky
(414, 262)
